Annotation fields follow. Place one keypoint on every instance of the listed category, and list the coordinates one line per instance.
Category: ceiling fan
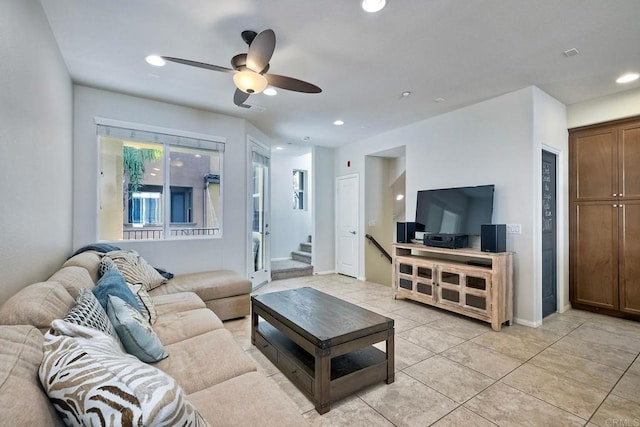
(250, 69)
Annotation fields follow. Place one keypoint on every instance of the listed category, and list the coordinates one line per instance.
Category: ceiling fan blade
(260, 51)
(239, 97)
(198, 64)
(289, 83)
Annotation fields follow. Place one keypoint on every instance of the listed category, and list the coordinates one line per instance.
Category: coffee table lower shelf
(349, 372)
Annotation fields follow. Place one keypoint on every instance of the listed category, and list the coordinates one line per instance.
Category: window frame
(302, 189)
(167, 138)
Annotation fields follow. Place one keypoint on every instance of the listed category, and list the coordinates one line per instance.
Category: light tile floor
(578, 368)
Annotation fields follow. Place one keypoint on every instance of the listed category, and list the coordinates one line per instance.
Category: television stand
(466, 281)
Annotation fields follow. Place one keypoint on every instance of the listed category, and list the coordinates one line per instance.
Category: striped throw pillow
(135, 269)
(90, 381)
(146, 303)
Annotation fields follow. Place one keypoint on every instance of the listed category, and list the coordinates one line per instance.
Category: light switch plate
(514, 228)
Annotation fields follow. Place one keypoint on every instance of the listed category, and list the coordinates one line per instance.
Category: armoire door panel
(629, 275)
(594, 172)
(629, 152)
(594, 255)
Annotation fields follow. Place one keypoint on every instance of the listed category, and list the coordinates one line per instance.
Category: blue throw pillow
(134, 331)
(112, 283)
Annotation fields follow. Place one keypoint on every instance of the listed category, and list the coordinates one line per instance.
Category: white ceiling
(464, 51)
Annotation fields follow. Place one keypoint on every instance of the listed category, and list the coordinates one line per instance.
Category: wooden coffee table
(321, 343)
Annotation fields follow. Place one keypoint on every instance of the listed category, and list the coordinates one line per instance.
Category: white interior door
(259, 216)
(347, 225)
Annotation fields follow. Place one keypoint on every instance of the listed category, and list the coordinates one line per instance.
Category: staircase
(299, 265)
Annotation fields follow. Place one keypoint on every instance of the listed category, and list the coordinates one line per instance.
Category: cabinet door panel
(629, 257)
(629, 149)
(594, 257)
(594, 164)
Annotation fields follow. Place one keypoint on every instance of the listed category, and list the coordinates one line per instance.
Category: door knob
(352, 232)
(266, 233)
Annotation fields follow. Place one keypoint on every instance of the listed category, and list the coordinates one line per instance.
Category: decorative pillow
(92, 382)
(89, 312)
(145, 302)
(136, 270)
(112, 283)
(106, 264)
(134, 331)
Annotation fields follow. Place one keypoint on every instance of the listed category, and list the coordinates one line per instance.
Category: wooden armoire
(604, 223)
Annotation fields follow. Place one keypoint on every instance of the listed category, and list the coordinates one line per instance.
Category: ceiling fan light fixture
(250, 82)
(373, 5)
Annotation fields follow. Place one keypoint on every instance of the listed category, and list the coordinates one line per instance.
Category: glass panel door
(260, 260)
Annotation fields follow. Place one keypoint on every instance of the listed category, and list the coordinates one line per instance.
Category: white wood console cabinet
(467, 281)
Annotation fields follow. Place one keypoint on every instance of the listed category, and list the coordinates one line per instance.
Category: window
(299, 183)
(156, 186)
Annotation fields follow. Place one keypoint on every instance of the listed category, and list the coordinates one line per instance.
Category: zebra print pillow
(90, 381)
(136, 270)
(148, 310)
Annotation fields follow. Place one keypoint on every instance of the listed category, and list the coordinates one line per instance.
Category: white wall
(178, 256)
(324, 193)
(378, 216)
(289, 227)
(550, 133)
(35, 148)
(487, 143)
(617, 106)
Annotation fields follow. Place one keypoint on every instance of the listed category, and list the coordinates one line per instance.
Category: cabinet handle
(614, 194)
(615, 206)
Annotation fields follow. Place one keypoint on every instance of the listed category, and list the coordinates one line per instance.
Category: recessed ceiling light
(439, 100)
(406, 94)
(306, 138)
(279, 148)
(373, 5)
(628, 78)
(571, 52)
(338, 123)
(400, 197)
(270, 91)
(155, 60)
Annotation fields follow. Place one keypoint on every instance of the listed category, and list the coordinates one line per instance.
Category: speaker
(493, 238)
(406, 231)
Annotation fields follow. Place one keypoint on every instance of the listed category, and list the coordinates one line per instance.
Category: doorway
(348, 189)
(549, 234)
(259, 215)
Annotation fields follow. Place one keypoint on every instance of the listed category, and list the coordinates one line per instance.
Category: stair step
(305, 247)
(287, 269)
(301, 256)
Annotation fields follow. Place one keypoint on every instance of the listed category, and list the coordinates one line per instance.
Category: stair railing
(378, 246)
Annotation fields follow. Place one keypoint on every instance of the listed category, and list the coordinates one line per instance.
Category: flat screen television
(455, 210)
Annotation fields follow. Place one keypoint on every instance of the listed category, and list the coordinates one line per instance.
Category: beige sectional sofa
(205, 360)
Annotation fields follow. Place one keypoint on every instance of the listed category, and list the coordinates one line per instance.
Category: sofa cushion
(207, 285)
(173, 303)
(134, 331)
(73, 279)
(135, 269)
(204, 360)
(178, 326)
(147, 308)
(22, 399)
(37, 305)
(112, 283)
(90, 382)
(266, 405)
(89, 260)
(88, 312)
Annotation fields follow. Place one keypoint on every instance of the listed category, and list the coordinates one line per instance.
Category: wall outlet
(514, 228)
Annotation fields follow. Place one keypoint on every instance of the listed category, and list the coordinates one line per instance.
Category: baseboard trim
(528, 323)
(322, 273)
(565, 308)
(362, 278)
